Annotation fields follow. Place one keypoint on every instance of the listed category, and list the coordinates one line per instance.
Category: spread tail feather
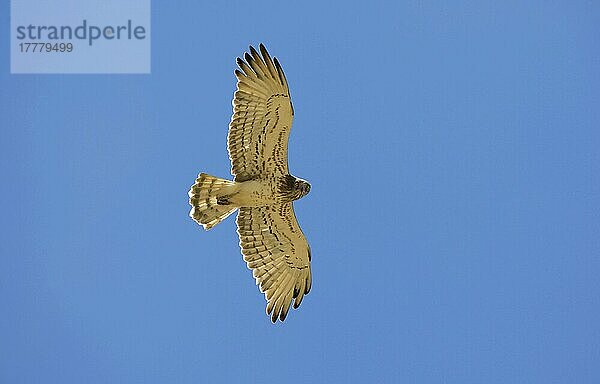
(208, 198)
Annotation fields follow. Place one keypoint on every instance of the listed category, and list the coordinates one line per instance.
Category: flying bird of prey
(263, 190)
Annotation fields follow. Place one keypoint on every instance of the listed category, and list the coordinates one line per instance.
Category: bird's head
(302, 187)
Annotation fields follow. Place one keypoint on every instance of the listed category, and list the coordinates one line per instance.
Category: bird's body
(263, 189)
(261, 192)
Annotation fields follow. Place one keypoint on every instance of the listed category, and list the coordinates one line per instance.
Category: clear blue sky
(453, 153)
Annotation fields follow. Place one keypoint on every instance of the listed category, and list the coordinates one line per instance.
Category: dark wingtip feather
(279, 71)
(298, 301)
(248, 58)
(283, 315)
(264, 52)
(253, 51)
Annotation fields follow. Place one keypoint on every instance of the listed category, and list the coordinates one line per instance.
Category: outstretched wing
(262, 118)
(276, 250)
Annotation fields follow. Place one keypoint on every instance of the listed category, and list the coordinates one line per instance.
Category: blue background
(453, 217)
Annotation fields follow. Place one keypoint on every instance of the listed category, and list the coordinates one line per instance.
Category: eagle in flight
(263, 190)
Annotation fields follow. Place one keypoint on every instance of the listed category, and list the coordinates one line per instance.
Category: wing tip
(252, 50)
(249, 59)
(283, 315)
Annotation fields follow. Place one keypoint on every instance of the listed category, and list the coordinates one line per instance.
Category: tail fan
(208, 198)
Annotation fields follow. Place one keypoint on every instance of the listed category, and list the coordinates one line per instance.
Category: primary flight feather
(263, 190)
